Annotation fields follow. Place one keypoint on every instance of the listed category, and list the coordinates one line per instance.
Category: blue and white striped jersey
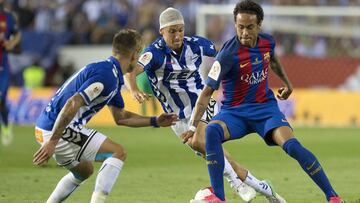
(175, 79)
(98, 83)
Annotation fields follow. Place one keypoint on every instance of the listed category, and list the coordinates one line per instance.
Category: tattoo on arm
(66, 114)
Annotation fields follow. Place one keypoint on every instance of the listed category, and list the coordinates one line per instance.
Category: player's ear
(161, 31)
(259, 25)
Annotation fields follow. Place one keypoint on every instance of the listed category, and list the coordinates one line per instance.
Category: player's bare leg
(109, 170)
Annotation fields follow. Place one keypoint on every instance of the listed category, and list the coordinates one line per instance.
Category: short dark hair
(126, 41)
(250, 7)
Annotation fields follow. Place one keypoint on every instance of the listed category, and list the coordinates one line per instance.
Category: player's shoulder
(104, 68)
(198, 40)
(266, 36)
(157, 47)
(230, 46)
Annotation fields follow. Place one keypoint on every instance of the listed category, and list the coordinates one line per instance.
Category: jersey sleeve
(101, 84)
(219, 69)
(117, 101)
(13, 27)
(208, 46)
(150, 60)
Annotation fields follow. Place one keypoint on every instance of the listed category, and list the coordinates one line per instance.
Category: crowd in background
(49, 24)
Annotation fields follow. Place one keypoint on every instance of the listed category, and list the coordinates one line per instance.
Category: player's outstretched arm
(200, 107)
(127, 118)
(130, 83)
(66, 114)
(283, 92)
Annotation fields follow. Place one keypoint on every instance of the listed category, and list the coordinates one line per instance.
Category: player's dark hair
(249, 7)
(126, 41)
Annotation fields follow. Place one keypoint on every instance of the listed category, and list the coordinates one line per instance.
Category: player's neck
(123, 61)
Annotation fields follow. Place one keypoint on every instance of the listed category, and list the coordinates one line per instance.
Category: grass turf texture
(161, 169)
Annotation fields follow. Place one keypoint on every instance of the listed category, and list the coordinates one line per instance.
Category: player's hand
(8, 46)
(187, 135)
(140, 96)
(284, 93)
(166, 119)
(44, 153)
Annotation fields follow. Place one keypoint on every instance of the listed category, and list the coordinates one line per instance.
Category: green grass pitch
(159, 169)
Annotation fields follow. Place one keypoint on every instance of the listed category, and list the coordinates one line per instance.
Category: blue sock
(215, 158)
(3, 114)
(310, 165)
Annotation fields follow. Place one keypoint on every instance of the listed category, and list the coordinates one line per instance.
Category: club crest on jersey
(215, 71)
(145, 58)
(267, 56)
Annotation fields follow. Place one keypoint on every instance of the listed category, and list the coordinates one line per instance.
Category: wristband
(192, 128)
(153, 122)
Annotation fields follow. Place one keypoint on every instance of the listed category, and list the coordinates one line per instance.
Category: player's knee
(119, 152)
(197, 145)
(214, 133)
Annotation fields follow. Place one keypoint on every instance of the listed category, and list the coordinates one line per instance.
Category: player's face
(247, 29)
(173, 36)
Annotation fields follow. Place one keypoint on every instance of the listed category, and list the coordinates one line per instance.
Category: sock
(215, 158)
(310, 165)
(259, 186)
(231, 175)
(64, 188)
(4, 114)
(106, 178)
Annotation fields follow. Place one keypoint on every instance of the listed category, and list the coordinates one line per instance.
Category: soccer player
(172, 65)
(10, 37)
(60, 127)
(249, 105)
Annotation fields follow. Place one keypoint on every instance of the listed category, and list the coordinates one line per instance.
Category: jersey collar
(114, 61)
(170, 51)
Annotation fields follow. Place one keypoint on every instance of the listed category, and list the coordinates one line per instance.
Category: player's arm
(283, 92)
(200, 108)
(130, 119)
(130, 83)
(65, 116)
(15, 36)
(13, 41)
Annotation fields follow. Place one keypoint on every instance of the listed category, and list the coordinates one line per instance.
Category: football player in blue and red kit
(10, 37)
(249, 105)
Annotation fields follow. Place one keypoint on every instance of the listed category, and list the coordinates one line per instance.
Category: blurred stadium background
(319, 45)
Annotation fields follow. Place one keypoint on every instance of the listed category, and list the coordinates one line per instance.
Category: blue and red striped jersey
(243, 72)
(7, 28)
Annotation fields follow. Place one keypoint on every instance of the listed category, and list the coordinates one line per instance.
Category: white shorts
(183, 125)
(77, 143)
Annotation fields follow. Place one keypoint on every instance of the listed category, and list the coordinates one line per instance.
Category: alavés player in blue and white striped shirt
(172, 65)
(60, 127)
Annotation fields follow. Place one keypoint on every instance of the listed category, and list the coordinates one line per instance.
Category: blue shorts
(251, 118)
(4, 85)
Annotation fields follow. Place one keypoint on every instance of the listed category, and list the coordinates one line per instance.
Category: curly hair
(250, 7)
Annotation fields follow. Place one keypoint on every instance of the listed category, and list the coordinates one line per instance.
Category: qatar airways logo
(255, 77)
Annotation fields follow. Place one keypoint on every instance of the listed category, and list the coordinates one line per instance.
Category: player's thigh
(232, 124)
(83, 170)
(109, 146)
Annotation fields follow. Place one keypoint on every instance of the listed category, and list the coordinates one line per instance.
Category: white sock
(231, 175)
(106, 178)
(64, 188)
(259, 186)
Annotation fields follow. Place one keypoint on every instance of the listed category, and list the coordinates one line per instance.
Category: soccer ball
(203, 192)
